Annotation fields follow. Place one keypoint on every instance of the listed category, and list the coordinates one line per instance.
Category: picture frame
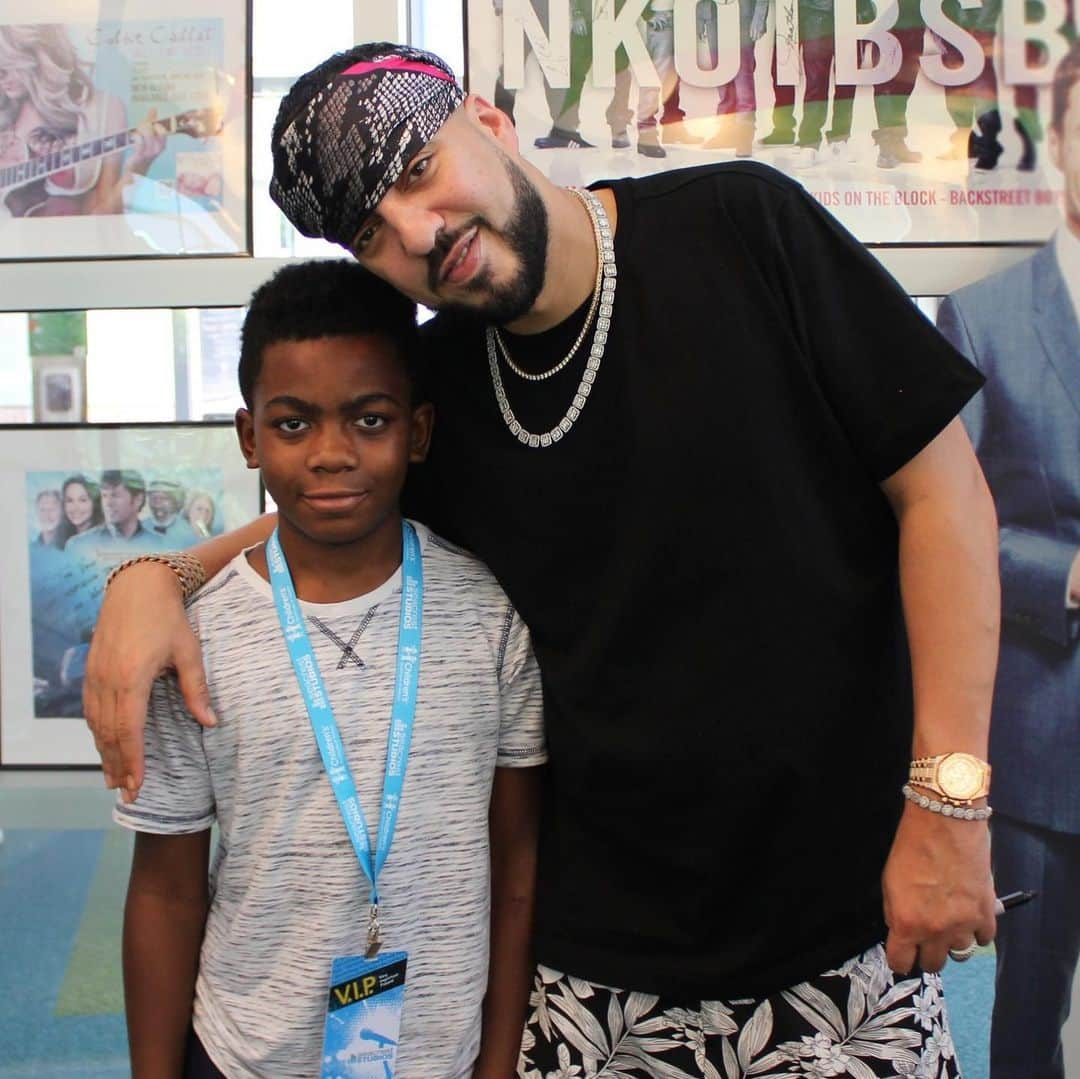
(133, 139)
(60, 393)
(585, 112)
(78, 500)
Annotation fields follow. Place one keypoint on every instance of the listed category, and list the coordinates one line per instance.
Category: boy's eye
(293, 425)
(371, 423)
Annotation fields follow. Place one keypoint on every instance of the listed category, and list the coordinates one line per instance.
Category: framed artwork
(914, 121)
(77, 501)
(124, 130)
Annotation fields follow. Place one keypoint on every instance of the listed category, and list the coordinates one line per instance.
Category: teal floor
(63, 873)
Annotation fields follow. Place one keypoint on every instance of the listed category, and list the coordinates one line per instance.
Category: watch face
(960, 776)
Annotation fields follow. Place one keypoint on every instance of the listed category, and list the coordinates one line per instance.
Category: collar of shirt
(1067, 249)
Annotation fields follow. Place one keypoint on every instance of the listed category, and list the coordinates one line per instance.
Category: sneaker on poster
(558, 139)
(620, 140)
(804, 157)
(648, 143)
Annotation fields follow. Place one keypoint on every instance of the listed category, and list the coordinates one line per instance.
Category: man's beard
(526, 236)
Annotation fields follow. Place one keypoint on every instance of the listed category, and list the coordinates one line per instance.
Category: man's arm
(937, 884)
(164, 919)
(514, 816)
(140, 632)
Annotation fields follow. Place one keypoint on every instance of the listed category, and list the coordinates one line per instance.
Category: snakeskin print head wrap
(341, 142)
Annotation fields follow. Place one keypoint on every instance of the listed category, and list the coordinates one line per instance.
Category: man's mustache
(444, 243)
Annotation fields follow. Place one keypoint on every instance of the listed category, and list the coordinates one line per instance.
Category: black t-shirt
(709, 571)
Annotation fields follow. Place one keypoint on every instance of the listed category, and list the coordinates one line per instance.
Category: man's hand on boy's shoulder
(141, 631)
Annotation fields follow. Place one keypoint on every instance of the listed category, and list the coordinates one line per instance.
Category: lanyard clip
(373, 941)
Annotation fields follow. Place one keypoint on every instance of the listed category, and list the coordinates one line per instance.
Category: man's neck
(572, 250)
(127, 529)
(335, 573)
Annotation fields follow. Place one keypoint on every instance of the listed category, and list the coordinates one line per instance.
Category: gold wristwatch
(956, 778)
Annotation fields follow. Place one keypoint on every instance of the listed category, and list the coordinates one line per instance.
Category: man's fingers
(191, 676)
(933, 953)
(899, 952)
(130, 721)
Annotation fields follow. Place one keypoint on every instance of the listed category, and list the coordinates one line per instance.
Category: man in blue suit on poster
(1022, 328)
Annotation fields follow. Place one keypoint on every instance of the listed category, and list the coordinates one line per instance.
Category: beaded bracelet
(946, 810)
(190, 572)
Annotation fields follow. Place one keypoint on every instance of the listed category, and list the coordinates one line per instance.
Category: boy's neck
(336, 573)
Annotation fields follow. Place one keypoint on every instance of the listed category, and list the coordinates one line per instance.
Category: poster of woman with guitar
(122, 138)
(48, 105)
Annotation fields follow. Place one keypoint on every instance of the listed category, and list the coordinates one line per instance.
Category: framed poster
(913, 121)
(124, 130)
(77, 501)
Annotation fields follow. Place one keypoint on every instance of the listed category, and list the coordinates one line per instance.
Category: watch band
(956, 778)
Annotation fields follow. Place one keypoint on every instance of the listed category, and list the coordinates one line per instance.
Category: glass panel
(284, 47)
(119, 366)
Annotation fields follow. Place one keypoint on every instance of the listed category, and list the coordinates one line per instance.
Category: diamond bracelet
(946, 810)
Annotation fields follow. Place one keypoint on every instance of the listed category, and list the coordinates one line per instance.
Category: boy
(333, 417)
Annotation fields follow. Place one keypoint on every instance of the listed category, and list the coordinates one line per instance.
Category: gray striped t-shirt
(287, 892)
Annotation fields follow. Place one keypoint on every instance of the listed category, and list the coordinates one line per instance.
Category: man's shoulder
(997, 293)
(731, 180)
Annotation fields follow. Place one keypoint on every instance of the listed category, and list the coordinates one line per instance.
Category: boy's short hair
(326, 298)
(1066, 77)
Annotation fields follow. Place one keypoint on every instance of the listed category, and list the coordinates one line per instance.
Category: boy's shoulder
(449, 566)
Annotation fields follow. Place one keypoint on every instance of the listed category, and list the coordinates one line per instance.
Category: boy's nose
(332, 451)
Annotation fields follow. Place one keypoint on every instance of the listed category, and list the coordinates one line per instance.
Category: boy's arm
(141, 631)
(164, 918)
(514, 825)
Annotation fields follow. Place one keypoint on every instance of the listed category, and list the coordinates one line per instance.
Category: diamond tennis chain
(602, 307)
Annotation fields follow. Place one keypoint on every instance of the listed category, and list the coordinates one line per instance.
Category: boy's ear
(245, 433)
(423, 422)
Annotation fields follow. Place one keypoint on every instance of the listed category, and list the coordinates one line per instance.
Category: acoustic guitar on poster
(40, 179)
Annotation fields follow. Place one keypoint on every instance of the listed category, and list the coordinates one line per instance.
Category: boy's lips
(461, 261)
(334, 501)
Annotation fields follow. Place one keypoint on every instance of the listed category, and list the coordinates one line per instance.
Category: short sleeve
(890, 378)
(177, 796)
(521, 706)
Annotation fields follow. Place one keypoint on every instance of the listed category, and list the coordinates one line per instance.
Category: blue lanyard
(323, 724)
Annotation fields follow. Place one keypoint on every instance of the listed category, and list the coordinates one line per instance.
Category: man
(708, 537)
(50, 512)
(166, 499)
(123, 496)
(1021, 328)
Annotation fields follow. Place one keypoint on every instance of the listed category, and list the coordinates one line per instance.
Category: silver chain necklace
(601, 308)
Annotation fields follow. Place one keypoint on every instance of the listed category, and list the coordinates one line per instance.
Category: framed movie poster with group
(77, 501)
(913, 121)
(124, 129)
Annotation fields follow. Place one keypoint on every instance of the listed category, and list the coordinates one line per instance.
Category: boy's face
(333, 430)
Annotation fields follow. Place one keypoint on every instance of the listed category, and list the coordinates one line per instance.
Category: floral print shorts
(860, 1020)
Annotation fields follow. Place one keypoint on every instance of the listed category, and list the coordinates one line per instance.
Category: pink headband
(398, 63)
